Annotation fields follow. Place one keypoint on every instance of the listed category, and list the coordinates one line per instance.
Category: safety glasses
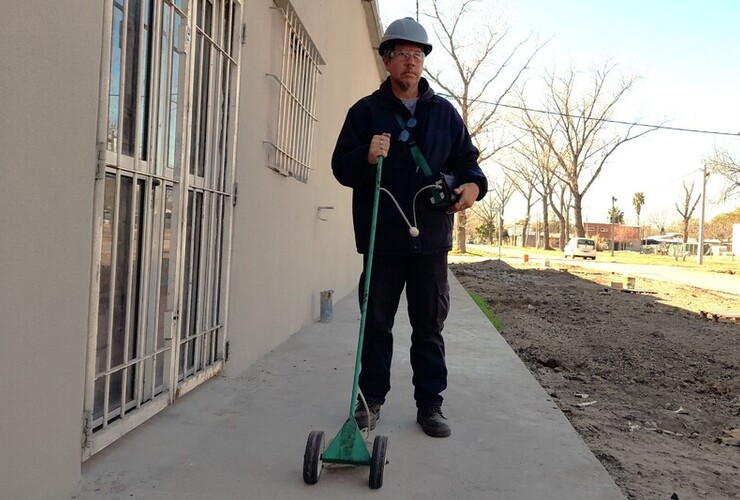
(405, 55)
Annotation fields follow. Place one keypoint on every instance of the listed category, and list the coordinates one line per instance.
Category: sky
(686, 57)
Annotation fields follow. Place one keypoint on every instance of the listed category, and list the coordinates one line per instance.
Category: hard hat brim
(386, 44)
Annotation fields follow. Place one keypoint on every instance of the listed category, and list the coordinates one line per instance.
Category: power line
(665, 183)
(605, 120)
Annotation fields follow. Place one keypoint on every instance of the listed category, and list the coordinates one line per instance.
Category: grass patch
(486, 310)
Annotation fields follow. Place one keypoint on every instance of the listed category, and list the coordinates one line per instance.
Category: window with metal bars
(296, 111)
(160, 329)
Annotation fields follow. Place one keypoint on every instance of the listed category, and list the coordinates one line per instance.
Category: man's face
(405, 65)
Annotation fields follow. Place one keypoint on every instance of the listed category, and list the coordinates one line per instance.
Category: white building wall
(283, 255)
(48, 99)
(736, 239)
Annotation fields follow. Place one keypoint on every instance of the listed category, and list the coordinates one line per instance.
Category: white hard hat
(405, 30)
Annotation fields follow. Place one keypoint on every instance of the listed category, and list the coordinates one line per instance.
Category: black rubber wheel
(312, 457)
(377, 462)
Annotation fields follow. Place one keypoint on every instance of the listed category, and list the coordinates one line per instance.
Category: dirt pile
(651, 386)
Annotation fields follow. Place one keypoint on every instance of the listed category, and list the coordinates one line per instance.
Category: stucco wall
(48, 91)
(283, 255)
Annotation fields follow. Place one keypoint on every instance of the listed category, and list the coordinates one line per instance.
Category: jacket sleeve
(349, 160)
(464, 156)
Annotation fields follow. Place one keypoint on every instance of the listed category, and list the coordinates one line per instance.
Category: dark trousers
(428, 297)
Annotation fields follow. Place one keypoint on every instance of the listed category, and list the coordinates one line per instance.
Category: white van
(580, 247)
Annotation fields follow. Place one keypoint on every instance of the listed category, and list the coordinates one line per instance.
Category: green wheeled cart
(348, 446)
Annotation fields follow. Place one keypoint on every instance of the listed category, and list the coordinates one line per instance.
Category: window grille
(163, 206)
(296, 111)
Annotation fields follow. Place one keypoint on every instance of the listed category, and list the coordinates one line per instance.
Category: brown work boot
(433, 422)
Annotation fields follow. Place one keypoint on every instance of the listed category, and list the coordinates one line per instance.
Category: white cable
(398, 207)
(433, 186)
(413, 230)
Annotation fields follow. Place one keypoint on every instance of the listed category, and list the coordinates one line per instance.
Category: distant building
(662, 243)
(625, 237)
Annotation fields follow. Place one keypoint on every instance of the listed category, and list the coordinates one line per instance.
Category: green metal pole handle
(348, 447)
(366, 287)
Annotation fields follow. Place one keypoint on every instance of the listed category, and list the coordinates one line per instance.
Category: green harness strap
(419, 159)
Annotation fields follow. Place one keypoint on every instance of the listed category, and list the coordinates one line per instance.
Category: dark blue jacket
(447, 147)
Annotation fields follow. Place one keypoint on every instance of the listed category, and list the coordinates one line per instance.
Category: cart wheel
(377, 462)
(312, 457)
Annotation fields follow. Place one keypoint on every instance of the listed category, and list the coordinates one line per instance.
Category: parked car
(580, 247)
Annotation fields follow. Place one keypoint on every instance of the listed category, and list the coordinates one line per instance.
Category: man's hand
(468, 193)
(379, 146)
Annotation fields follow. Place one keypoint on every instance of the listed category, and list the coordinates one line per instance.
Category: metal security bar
(162, 213)
(134, 291)
(298, 80)
(201, 343)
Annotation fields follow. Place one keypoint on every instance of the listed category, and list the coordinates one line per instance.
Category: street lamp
(612, 217)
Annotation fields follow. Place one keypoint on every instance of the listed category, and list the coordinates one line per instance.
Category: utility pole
(417, 11)
(700, 249)
(612, 217)
(500, 230)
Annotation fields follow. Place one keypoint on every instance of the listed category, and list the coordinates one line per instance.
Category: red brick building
(625, 237)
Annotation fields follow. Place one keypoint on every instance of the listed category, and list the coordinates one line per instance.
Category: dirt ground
(651, 386)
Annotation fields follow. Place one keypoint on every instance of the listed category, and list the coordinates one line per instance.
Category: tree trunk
(461, 220)
(564, 232)
(577, 214)
(686, 230)
(545, 219)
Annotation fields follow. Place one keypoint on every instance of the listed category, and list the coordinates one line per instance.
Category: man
(419, 135)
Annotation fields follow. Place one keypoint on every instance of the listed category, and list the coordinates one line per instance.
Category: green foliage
(486, 232)
(616, 215)
(484, 307)
(720, 227)
(638, 200)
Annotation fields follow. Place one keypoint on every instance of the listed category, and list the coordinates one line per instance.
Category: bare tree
(687, 207)
(538, 166)
(553, 192)
(486, 212)
(524, 180)
(728, 166)
(574, 128)
(501, 191)
(658, 219)
(560, 202)
(486, 68)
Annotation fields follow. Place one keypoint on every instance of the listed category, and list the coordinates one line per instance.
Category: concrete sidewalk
(244, 437)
